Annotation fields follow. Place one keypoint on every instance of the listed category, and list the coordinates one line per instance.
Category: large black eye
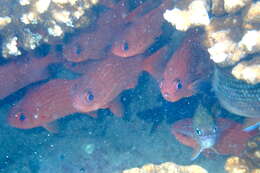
(179, 84)
(126, 46)
(198, 131)
(22, 117)
(78, 49)
(214, 129)
(82, 170)
(90, 96)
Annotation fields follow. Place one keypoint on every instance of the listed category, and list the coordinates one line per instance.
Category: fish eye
(126, 46)
(198, 132)
(22, 117)
(62, 156)
(90, 96)
(78, 49)
(215, 129)
(82, 170)
(178, 84)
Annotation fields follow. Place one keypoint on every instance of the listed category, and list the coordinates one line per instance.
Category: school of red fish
(109, 61)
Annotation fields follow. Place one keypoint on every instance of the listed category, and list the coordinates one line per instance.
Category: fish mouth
(167, 94)
(207, 141)
(169, 97)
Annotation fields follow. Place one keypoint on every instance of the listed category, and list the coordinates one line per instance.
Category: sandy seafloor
(107, 144)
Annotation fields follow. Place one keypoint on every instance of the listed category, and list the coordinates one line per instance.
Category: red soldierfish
(92, 45)
(101, 84)
(232, 140)
(137, 38)
(188, 66)
(43, 104)
(24, 71)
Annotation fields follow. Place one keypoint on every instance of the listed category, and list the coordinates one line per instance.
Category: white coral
(250, 41)
(195, 15)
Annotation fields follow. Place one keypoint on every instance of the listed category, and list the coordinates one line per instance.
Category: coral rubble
(28, 23)
(249, 162)
(248, 70)
(252, 152)
(236, 165)
(167, 167)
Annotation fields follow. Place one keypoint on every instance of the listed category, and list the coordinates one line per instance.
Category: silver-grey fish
(237, 96)
(205, 130)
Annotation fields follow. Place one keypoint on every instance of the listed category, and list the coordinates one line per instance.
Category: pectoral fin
(196, 153)
(93, 114)
(116, 107)
(202, 84)
(52, 127)
(215, 150)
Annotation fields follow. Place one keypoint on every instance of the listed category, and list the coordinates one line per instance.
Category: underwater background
(140, 86)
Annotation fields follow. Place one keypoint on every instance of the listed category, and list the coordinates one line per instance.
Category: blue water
(106, 144)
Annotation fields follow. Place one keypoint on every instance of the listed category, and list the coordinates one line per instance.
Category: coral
(28, 23)
(221, 39)
(251, 16)
(231, 6)
(248, 71)
(249, 162)
(220, 7)
(252, 152)
(229, 40)
(167, 167)
(190, 13)
(196, 14)
(237, 165)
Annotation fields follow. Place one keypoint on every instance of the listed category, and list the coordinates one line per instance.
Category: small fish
(237, 96)
(231, 138)
(187, 69)
(43, 104)
(142, 33)
(203, 130)
(18, 73)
